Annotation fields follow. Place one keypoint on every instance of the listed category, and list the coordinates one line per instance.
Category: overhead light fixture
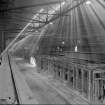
(63, 42)
(51, 23)
(88, 2)
(36, 31)
(63, 3)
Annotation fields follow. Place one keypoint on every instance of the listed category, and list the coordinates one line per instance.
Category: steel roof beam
(29, 6)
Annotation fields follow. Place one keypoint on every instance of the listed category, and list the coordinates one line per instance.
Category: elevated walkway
(34, 87)
(64, 91)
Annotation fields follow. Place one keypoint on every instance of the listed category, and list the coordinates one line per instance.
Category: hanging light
(51, 23)
(63, 3)
(88, 2)
(63, 42)
(36, 31)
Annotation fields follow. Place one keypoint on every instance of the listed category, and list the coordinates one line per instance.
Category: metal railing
(17, 98)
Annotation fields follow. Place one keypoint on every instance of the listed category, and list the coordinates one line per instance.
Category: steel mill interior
(52, 52)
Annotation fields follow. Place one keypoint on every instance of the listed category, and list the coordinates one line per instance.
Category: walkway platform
(38, 88)
(68, 94)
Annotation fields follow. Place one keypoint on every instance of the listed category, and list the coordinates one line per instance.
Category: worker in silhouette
(104, 93)
(0, 60)
(102, 96)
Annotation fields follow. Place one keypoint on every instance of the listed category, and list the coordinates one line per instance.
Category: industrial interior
(52, 52)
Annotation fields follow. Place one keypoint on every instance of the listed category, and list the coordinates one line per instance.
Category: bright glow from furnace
(33, 61)
(88, 2)
(76, 48)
